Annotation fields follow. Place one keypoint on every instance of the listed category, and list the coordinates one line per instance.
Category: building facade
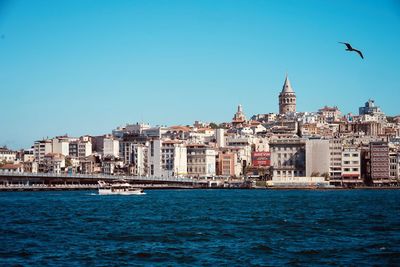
(201, 161)
(379, 162)
(351, 166)
(288, 157)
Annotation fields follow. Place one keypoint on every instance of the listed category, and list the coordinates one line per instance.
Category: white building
(84, 149)
(110, 146)
(220, 137)
(12, 168)
(167, 158)
(287, 158)
(135, 155)
(137, 128)
(335, 153)
(351, 166)
(61, 145)
(7, 155)
(80, 148)
(42, 148)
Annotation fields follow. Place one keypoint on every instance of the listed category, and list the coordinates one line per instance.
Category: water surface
(201, 227)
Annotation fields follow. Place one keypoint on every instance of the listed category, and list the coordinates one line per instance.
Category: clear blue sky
(85, 67)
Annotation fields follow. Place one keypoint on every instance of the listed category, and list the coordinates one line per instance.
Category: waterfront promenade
(49, 181)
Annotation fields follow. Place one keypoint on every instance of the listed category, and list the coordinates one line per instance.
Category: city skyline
(98, 66)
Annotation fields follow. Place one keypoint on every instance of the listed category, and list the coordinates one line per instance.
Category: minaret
(287, 98)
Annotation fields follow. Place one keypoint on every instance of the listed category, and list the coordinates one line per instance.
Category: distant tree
(222, 126)
(325, 175)
(213, 125)
(315, 174)
(390, 119)
(68, 162)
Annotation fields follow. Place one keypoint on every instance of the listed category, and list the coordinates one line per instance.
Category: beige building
(201, 160)
(42, 148)
(226, 163)
(335, 162)
(7, 155)
(54, 163)
(12, 168)
(288, 157)
(351, 166)
(317, 157)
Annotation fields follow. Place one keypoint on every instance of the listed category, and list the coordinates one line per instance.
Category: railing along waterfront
(97, 177)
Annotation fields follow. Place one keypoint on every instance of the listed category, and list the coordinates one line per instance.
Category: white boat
(119, 188)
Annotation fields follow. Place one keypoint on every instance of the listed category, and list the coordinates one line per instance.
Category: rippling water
(201, 227)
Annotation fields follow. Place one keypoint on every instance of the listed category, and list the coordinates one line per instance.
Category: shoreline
(43, 189)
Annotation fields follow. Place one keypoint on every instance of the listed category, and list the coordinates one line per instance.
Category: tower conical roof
(287, 87)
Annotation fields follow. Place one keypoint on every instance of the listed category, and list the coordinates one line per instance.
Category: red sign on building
(261, 159)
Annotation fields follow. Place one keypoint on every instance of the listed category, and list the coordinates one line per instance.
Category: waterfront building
(287, 98)
(317, 157)
(31, 166)
(351, 166)
(201, 160)
(111, 165)
(379, 158)
(226, 163)
(167, 158)
(173, 159)
(393, 166)
(53, 163)
(335, 159)
(87, 165)
(288, 157)
(12, 168)
(134, 153)
(136, 159)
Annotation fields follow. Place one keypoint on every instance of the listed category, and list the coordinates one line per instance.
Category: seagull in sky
(350, 49)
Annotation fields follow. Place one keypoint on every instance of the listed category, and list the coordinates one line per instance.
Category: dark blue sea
(201, 227)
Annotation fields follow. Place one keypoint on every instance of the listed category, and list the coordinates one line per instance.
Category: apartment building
(201, 160)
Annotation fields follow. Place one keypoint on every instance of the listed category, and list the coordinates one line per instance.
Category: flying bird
(350, 49)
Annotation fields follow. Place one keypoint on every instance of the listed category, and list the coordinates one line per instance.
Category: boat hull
(111, 192)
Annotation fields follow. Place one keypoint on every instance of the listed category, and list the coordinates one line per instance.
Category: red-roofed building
(12, 168)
